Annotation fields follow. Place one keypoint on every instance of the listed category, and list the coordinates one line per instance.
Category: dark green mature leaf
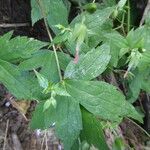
(140, 81)
(96, 20)
(9, 77)
(38, 117)
(66, 116)
(64, 60)
(18, 47)
(45, 60)
(69, 121)
(23, 86)
(55, 10)
(92, 131)
(90, 65)
(101, 99)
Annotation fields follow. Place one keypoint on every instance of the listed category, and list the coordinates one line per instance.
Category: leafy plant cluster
(62, 74)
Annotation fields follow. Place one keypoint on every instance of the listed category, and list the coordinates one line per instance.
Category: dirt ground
(15, 133)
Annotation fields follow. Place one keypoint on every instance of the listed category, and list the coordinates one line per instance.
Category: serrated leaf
(101, 99)
(92, 131)
(18, 47)
(55, 11)
(90, 65)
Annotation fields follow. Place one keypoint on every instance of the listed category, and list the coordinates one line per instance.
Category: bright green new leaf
(46, 105)
(60, 89)
(90, 65)
(53, 102)
(42, 80)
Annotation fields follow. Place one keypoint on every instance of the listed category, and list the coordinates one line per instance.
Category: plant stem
(50, 37)
(128, 24)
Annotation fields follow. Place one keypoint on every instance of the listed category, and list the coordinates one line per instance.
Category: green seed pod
(90, 7)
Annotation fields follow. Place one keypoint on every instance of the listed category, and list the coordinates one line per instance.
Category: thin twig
(16, 142)
(11, 25)
(146, 11)
(6, 132)
(43, 140)
(15, 105)
(46, 142)
(50, 37)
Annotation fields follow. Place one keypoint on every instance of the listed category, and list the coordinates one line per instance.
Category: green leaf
(141, 81)
(60, 89)
(18, 48)
(101, 99)
(45, 60)
(53, 102)
(117, 39)
(90, 65)
(94, 23)
(42, 80)
(66, 116)
(38, 117)
(118, 144)
(9, 77)
(22, 86)
(117, 42)
(92, 131)
(55, 10)
(69, 121)
(109, 3)
(64, 60)
(46, 105)
(121, 4)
